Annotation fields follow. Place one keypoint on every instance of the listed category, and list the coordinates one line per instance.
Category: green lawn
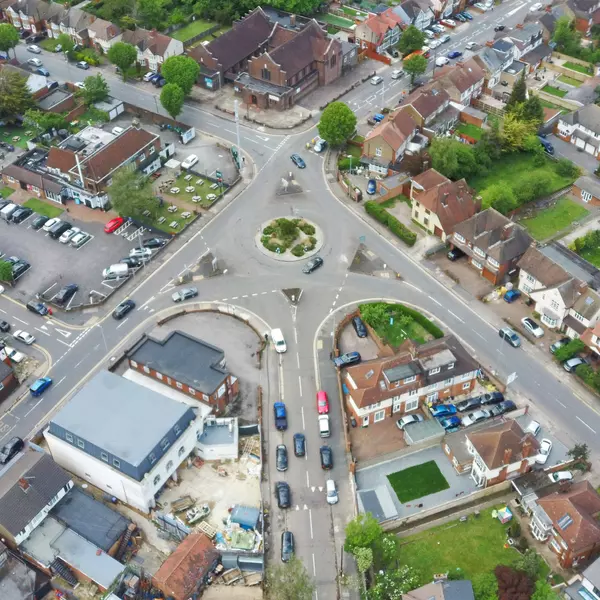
(44, 208)
(352, 12)
(5, 192)
(48, 44)
(547, 104)
(418, 481)
(550, 89)
(335, 20)
(592, 255)
(192, 29)
(470, 130)
(395, 334)
(391, 202)
(202, 190)
(550, 221)
(476, 546)
(576, 67)
(512, 168)
(9, 131)
(569, 81)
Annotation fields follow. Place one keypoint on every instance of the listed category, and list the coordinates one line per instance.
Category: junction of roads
(252, 286)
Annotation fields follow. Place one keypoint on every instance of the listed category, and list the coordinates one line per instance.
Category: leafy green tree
(6, 272)
(363, 531)
(391, 584)
(289, 581)
(131, 194)
(515, 132)
(417, 65)
(151, 13)
(532, 110)
(385, 549)
(182, 71)
(565, 36)
(66, 43)
(171, 98)
(43, 121)
(543, 591)
(569, 350)
(337, 124)
(364, 558)
(502, 198)
(412, 39)
(530, 562)
(565, 168)
(485, 586)
(579, 452)
(535, 186)
(123, 56)
(15, 97)
(95, 89)
(9, 37)
(518, 94)
(453, 158)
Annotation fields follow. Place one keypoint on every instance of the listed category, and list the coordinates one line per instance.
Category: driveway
(563, 149)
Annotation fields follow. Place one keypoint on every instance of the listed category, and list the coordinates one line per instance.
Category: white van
(117, 130)
(324, 430)
(8, 210)
(278, 341)
(332, 495)
(115, 271)
(189, 162)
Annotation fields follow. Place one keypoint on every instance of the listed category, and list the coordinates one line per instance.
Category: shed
(246, 516)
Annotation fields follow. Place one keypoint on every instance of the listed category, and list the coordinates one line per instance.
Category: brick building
(8, 379)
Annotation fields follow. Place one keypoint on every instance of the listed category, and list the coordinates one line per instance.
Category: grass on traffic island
(418, 481)
(549, 221)
(282, 234)
(43, 208)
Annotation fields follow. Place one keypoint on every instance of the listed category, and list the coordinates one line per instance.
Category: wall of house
(7, 386)
(427, 219)
(376, 144)
(591, 199)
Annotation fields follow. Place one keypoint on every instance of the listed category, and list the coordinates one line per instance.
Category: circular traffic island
(289, 239)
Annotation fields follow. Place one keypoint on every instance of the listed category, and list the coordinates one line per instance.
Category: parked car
(331, 492)
(326, 458)
(114, 224)
(440, 61)
(450, 422)
(560, 476)
(460, 18)
(371, 187)
(430, 34)
(154, 243)
(21, 214)
(433, 44)
(19, 268)
(445, 39)
(39, 308)
(535, 7)
(443, 410)
(34, 62)
(281, 457)
(534, 428)
(312, 265)
(476, 417)
(530, 325)
(58, 48)
(469, 404)
(571, 364)
(512, 295)
(4, 326)
(143, 253)
(397, 74)
(359, 327)
(499, 28)
(122, 309)
(298, 161)
(502, 408)
(376, 80)
(38, 387)
(284, 496)
(42, 71)
(471, 45)
(24, 336)
(34, 49)
(507, 334)
(455, 254)
(131, 262)
(287, 545)
(545, 449)
(80, 239)
(322, 402)
(68, 235)
(448, 22)
(65, 293)
(59, 229)
(82, 65)
(10, 449)
(184, 294)
(393, 52)
(149, 75)
(159, 81)
(491, 398)
(467, 15)
(14, 355)
(559, 344)
(454, 54)
(299, 444)
(345, 360)
(408, 420)
(189, 162)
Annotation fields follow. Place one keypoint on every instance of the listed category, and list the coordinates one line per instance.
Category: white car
(545, 449)
(481, 6)
(50, 223)
(535, 7)
(14, 356)
(68, 235)
(560, 476)
(449, 22)
(143, 253)
(58, 48)
(34, 62)
(149, 75)
(34, 49)
(397, 74)
(435, 43)
(532, 327)
(24, 337)
(471, 45)
(376, 80)
(534, 428)
(445, 38)
(440, 61)
(475, 417)
(189, 162)
(79, 85)
(429, 34)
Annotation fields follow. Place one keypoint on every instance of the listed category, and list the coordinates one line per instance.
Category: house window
(177, 430)
(448, 382)
(413, 392)
(180, 451)
(265, 74)
(479, 252)
(192, 391)
(69, 437)
(81, 443)
(467, 385)
(159, 375)
(410, 379)
(152, 458)
(104, 456)
(169, 465)
(411, 404)
(585, 196)
(527, 289)
(152, 150)
(205, 398)
(378, 151)
(133, 364)
(117, 463)
(146, 370)
(425, 221)
(397, 404)
(179, 385)
(556, 546)
(530, 278)
(156, 480)
(379, 416)
(493, 262)
(578, 316)
(165, 444)
(333, 61)
(554, 304)
(476, 264)
(548, 321)
(435, 371)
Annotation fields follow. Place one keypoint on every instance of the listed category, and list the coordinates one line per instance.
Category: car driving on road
(312, 265)
(507, 334)
(39, 308)
(299, 444)
(376, 80)
(38, 387)
(122, 309)
(298, 161)
(326, 457)
(184, 294)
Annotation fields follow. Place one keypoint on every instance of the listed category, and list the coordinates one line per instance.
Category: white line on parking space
(582, 421)
(20, 321)
(434, 300)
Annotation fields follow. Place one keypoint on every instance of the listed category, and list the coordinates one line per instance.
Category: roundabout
(289, 239)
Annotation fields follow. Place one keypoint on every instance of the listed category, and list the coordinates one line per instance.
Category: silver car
(476, 417)
(184, 294)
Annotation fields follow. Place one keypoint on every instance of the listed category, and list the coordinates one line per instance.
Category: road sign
(362, 239)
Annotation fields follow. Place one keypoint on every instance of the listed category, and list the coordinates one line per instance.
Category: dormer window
(410, 379)
(434, 371)
(479, 252)
(459, 238)
(450, 366)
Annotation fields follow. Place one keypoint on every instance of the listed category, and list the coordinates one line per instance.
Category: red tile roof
(64, 160)
(380, 24)
(396, 129)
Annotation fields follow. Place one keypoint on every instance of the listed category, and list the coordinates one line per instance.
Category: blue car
(511, 296)
(297, 160)
(37, 387)
(467, 15)
(454, 54)
(443, 410)
(43, 71)
(371, 187)
(450, 422)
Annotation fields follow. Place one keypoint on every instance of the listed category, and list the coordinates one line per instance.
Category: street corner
(366, 262)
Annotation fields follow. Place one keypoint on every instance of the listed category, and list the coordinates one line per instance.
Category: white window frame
(379, 416)
(411, 404)
(479, 252)
(435, 371)
(378, 151)
(459, 238)
(466, 385)
(411, 379)
(476, 264)
(586, 196)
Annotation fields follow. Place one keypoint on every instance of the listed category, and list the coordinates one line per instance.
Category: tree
(66, 43)
(362, 532)
(337, 124)
(364, 558)
(565, 36)
(95, 89)
(123, 56)
(385, 549)
(131, 194)
(392, 584)
(515, 132)
(43, 121)
(532, 110)
(15, 97)
(289, 581)
(565, 168)
(485, 586)
(519, 92)
(579, 452)
(501, 197)
(415, 66)
(151, 13)
(530, 562)
(6, 272)
(453, 158)
(182, 71)
(171, 98)
(513, 584)
(544, 591)
(412, 39)
(569, 350)
(9, 37)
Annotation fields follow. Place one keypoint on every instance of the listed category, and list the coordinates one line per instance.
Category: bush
(565, 168)
(308, 229)
(523, 544)
(396, 227)
(569, 350)
(514, 531)
(366, 310)
(298, 250)
(268, 230)
(344, 164)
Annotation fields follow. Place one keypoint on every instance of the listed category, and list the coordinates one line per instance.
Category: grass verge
(43, 208)
(192, 29)
(550, 221)
(5, 192)
(418, 481)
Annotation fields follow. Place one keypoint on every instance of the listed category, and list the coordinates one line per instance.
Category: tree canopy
(43, 121)
(337, 124)
(131, 194)
(95, 89)
(392, 583)
(123, 56)
(66, 43)
(417, 65)
(151, 13)
(485, 586)
(453, 158)
(9, 37)
(6, 272)
(171, 98)
(289, 581)
(15, 97)
(182, 71)
(519, 92)
(362, 532)
(412, 39)
(516, 131)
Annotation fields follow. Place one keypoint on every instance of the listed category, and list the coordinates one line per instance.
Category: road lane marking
(62, 332)
(65, 343)
(414, 287)
(300, 385)
(582, 421)
(455, 316)
(477, 333)
(57, 384)
(303, 423)
(310, 521)
(434, 300)
(298, 359)
(33, 407)
(563, 405)
(86, 356)
(314, 566)
(42, 331)
(296, 335)
(307, 480)
(147, 302)
(20, 321)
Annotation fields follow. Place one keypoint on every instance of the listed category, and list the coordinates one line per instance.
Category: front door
(365, 421)
(254, 99)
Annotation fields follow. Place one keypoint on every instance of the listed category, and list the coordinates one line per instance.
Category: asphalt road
(253, 282)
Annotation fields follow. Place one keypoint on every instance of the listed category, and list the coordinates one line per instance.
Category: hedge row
(395, 226)
(420, 318)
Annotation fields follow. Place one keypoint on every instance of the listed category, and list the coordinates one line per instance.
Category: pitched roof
(462, 75)
(589, 184)
(588, 116)
(179, 575)
(544, 269)
(143, 39)
(494, 233)
(104, 30)
(396, 129)
(26, 487)
(574, 514)
(442, 590)
(64, 160)
(382, 23)
(427, 102)
(492, 443)
(491, 59)
(451, 201)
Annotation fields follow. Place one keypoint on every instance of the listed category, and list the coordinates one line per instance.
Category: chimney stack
(292, 20)
(507, 456)
(24, 484)
(526, 449)
(489, 44)
(445, 199)
(507, 230)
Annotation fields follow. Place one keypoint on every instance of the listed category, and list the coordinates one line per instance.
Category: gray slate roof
(45, 478)
(589, 184)
(5, 371)
(588, 117)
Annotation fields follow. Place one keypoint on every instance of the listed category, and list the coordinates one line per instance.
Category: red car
(322, 403)
(114, 224)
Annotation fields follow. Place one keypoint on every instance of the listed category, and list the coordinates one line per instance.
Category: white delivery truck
(116, 271)
(324, 430)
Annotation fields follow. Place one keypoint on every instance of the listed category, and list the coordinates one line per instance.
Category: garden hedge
(394, 225)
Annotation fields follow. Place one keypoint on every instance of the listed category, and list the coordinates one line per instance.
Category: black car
(19, 268)
(12, 447)
(56, 232)
(281, 458)
(39, 221)
(34, 39)
(287, 545)
(492, 398)
(131, 262)
(4, 326)
(20, 215)
(499, 28)
(326, 457)
(122, 309)
(38, 308)
(284, 496)
(469, 404)
(299, 444)
(154, 243)
(312, 265)
(359, 327)
(65, 293)
(455, 254)
(502, 407)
